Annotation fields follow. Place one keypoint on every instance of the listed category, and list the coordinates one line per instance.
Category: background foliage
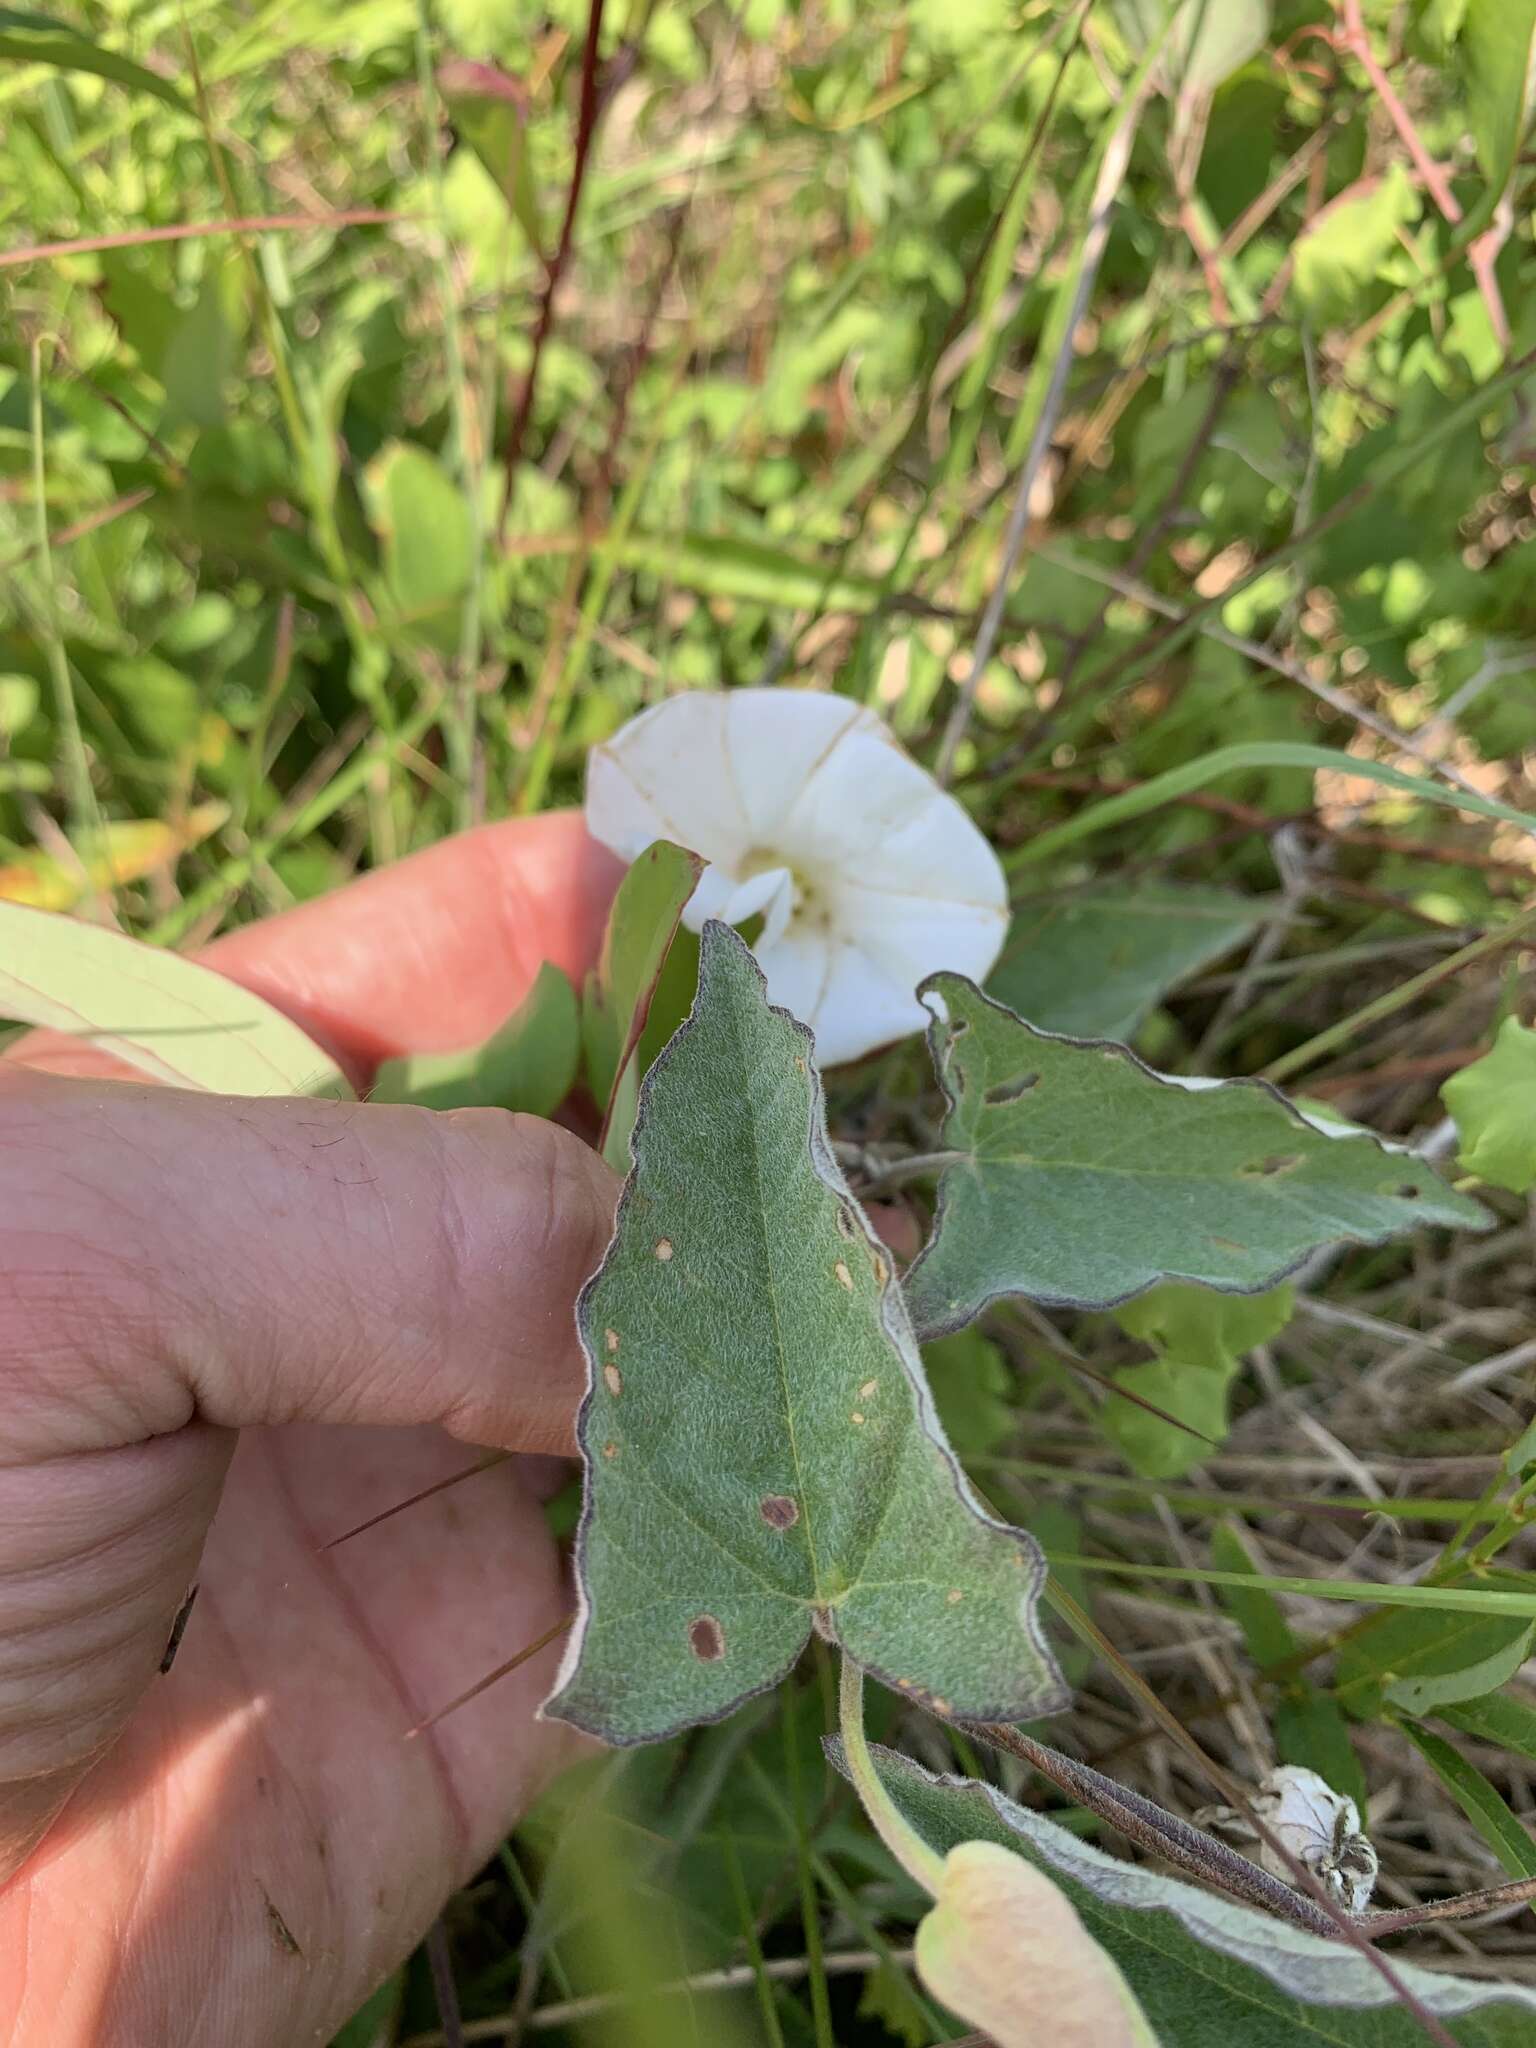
(841, 283)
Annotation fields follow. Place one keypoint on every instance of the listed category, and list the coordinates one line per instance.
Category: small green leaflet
(1092, 962)
(1495, 53)
(617, 1000)
(1199, 1338)
(529, 1064)
(1494, 1104)
(1210, 1973)
(1505, 1718)
(762, 1451)
(1085, 1177)
(28, 38)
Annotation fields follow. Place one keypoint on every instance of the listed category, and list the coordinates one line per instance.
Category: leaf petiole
(921, 1863)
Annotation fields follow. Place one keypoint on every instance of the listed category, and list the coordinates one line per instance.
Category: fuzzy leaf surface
(762, 1451)
(1210, 1973)
(1086, 1177)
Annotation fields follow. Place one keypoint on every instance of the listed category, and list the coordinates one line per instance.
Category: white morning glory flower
(866, 875)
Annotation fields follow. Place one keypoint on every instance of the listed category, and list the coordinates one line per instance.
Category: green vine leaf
(1204, 1968)
(1199, 1338)
(1084, 1177)
(763, 1456)
(1494, 1104)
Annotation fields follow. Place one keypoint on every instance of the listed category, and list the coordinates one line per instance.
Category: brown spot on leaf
(845, 1226)
(799, 1064)
(613, 1380)
(779, 1511)
(610, 1450)
(882, 1268)
(1410, 1191)
(706, 1639)
(1277, 1162)
(844, 1277)
(954, 1596)
(663, 1249)
(1228, 1244)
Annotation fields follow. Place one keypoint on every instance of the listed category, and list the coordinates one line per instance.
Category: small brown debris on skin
(779, 1511)
(706, 1639)
(277, 1926)
(663, 1249)
(611, 1339)
(844, 1277)
(867, 1389)
(613, 1380)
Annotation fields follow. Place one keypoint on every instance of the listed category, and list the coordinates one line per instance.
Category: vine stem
(923, 1865)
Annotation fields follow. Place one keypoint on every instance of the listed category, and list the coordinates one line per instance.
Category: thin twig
(586, 125)
(195, 230)
(444, 1989)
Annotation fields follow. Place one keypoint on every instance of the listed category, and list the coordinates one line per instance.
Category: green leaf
(1494, 1104)
(1495, 51)
(1257, 1613)
(202, 346)
(425, 526)
(1339, 258)
(1420, 1660)
(972, 1389)
(529, 1064)
(1479, 1801)
(1504, 1718)
(1210, 1973)
(616, 1003)
(1086, 1178)
(1200, 1338)
(490, 110)
(1091, 963)
(1311, 1730)
(27, 38)
(762, 1453)
(166, 1016)
(1210, 40)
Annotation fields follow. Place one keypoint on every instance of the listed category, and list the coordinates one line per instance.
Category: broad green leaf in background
(490, 110)
(1507, 1719)
(1420, 1660)
(1092, 962)
(1200, 1339)
(1494, 1104)
(972, 1386)
(1495, 48)
(762, 1452)
(166, 1016)
(528, 1064)
(28, 38)
(425, 525)
(1480, 1801)
(1210, 39)
(617, 999)
(1210, 1973)
(1257, 1613)
(1339, 258)
(1085, 1178)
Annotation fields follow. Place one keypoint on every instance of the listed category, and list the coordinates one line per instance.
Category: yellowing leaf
(1003, 1946)
(167, 1016)
(124, 850)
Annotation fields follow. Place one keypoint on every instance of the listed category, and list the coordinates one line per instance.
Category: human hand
(237, 1852)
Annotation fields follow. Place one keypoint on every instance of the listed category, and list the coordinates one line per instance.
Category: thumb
(175, 1266)
(170, 1257)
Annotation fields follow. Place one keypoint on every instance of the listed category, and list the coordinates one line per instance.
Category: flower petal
(668, 775)
(851, 1003)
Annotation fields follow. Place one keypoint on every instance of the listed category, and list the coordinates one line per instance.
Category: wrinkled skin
(228, 1331)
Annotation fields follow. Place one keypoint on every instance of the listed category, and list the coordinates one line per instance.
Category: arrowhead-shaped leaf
(1204, 1969)
(1494, 1104)
(1085, 1178)
(762, 1452)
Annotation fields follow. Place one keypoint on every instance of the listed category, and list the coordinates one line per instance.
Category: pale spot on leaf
(856, 1417)
(610, 1450)
(844, 1277)
(663, 1249)
(611, 1339)
(868, 1388)
(613, 1379)
(954, 1596)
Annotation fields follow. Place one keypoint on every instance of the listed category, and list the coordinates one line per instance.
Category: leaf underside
(1210, 1973)
(1087, 1177)
(762, 1452)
